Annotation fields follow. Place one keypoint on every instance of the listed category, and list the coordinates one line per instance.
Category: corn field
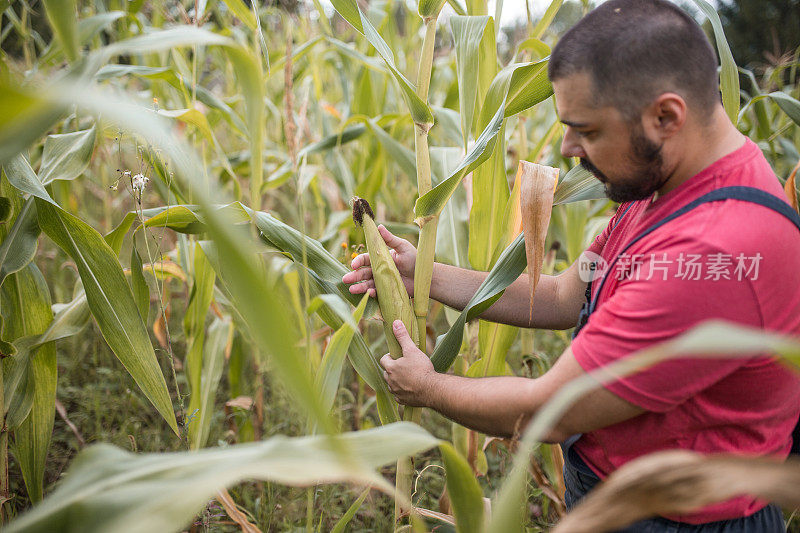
(179, 350)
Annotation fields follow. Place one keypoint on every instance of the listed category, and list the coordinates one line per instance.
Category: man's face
(617, 151)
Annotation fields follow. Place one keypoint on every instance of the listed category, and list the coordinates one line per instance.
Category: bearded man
(703, 231)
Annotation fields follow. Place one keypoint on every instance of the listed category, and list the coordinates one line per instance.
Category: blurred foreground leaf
(108, 489)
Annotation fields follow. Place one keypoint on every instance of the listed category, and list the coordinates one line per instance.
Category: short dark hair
(635, 50)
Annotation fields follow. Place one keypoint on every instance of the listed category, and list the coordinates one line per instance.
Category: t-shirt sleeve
(643, 312)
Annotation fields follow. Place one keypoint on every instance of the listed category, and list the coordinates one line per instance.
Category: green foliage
(253, 146)
(744, 22)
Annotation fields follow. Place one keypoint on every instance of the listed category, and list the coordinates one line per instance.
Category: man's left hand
(411, 378)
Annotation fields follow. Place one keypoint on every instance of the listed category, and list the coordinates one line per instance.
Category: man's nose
(570, 146)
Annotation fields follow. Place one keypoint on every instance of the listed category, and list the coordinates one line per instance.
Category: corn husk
(393, 298)
(537, 185)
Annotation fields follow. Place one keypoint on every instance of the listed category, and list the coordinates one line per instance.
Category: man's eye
(584, 133)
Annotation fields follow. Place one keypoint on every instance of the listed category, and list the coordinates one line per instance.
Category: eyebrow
(575, 124)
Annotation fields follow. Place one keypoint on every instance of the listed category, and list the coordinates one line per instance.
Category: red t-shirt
(749, 265)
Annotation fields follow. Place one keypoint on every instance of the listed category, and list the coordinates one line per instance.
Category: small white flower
(138, 182)
(126, 174)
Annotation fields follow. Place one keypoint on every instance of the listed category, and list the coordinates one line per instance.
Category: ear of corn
(393, 298)
(394, 304)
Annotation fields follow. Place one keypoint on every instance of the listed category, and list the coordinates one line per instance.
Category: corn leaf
(348, 50)
(115, 237)
(199, 359)
(242, 12)
(21, 175)
(430, 8)
(27, 313)
(335, 312)
(729, 74)
(447, 130)
(19, 246)
(540, 49)
(322, 263)
(341, 524)
(431, 203)
(18, 381)
(24, 118)
(330, 370)
(350, 11)
(66, 155)
(546, 20)
(452, 231)
(508, 268)
(216, 345)
(141, 292)
(789, 105)
(578, 184)
(529, 85)
(515, 89)
(199, 120)
(87, 29)
(163, 491)
(467, 36)
(111, 302)
(63, 17)
(178, 82)
(466, 495)
(69, 319)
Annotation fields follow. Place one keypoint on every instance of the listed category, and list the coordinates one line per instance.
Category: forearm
(500, 406)
(552, 308)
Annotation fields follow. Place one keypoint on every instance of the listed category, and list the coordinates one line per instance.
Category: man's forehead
(573, 92)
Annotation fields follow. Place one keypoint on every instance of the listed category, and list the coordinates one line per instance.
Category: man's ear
(666, 115)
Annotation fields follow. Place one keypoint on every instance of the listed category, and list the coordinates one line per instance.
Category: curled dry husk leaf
(537, 185)
(678, 482)
(393, 298)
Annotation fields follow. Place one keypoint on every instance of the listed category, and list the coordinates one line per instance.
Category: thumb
(402, 336)
(392, 240)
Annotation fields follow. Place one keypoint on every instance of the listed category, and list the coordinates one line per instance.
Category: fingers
(402, 336)
(354, 276)
(386, 362)
(360, 261)
(361, 288)
(392, 240)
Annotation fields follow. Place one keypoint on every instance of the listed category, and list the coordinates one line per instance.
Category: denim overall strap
(584, 313)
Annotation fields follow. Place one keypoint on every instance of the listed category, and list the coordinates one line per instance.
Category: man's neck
(702, 147)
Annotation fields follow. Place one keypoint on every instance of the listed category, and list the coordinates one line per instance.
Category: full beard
(647, 173)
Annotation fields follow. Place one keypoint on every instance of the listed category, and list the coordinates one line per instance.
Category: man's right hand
(404, 255)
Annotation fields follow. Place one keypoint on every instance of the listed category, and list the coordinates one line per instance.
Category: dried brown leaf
(679, 482)
(537, 186)
(62, 412)
(236, 515)
(242, 402)
(446, 518)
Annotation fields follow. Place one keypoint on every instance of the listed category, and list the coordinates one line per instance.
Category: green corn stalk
(423, 269)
